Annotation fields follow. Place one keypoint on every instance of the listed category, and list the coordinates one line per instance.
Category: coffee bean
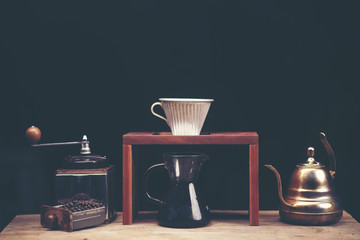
(82, 204)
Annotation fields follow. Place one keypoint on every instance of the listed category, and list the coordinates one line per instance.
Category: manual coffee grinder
(85, 191)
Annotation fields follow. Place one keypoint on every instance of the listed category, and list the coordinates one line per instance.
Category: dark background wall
(287, 70)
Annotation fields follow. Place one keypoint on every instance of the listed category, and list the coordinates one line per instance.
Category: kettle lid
(311, 162)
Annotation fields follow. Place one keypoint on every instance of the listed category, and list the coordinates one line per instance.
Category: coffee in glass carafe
(184, 207)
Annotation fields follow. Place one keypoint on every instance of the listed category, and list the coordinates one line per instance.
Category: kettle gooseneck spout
(330, 153)
(278, 178)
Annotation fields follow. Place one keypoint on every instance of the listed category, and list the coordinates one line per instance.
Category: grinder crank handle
(33, 135)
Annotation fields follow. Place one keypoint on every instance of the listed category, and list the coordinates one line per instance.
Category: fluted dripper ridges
(186, 118)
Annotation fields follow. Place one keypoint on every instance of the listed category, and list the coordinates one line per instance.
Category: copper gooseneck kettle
(310, 198)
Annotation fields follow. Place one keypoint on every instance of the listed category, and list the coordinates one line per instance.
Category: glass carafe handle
(145, 182)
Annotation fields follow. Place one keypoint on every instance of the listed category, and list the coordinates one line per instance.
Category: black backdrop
(287, 70)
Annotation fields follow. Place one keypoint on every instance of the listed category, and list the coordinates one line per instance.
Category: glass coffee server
(184, 207)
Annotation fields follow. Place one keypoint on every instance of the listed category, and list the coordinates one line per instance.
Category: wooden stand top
(149, 138)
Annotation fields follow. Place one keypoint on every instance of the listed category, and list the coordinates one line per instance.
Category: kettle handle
(145, 182)
(330, 153)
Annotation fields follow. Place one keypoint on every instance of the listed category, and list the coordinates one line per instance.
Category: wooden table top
(225, 225)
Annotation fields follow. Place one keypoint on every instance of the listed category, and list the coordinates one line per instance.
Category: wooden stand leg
(254, 184)
(127, 185)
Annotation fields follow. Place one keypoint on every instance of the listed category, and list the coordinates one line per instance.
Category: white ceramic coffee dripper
(185, 116)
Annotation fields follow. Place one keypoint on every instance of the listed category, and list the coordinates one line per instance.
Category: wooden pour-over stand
(166, 138)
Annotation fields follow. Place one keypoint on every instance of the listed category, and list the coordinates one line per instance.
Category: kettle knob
(311, 154)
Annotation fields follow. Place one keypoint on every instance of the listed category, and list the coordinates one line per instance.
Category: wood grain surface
(254, 184)
(127, 185)
(225, 225)
(104, 171)
(139, 138)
